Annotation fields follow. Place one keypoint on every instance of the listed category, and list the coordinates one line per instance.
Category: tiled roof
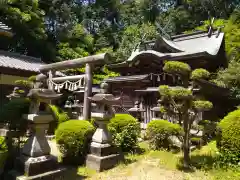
(21, 62)
(181, 46)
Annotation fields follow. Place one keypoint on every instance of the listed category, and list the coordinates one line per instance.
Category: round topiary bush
(228, 141)
(159, 131)
(73, 138)
(125, 131)
(200, 74)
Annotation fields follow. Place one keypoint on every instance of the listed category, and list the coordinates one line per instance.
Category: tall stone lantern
(35, 160)
(103, 155)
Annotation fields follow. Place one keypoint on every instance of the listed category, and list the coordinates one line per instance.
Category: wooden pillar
(87, 93)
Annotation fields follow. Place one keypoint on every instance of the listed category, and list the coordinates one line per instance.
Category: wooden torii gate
(89, 62)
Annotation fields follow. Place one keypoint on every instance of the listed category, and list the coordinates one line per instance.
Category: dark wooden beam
(76, 63)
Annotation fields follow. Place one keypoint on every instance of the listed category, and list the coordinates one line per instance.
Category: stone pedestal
(103, 155)
(35, 162)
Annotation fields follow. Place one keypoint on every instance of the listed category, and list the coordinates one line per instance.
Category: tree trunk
(186, 144)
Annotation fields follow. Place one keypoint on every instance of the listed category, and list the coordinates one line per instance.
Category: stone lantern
(103, 155)
(136, 110)
(156, 111)
(35, 160)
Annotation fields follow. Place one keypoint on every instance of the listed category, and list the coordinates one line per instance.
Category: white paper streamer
(71, 86)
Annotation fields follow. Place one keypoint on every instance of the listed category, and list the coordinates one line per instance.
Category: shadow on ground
(72, 174)
(203, 162)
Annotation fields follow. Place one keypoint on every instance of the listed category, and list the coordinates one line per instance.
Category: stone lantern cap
(103, 97)
(43, 94)
(136, 108)
(156, 109)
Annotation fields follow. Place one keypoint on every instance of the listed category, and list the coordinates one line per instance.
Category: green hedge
(125, 131)
(158, 132)
(228, 140)
(73, 138)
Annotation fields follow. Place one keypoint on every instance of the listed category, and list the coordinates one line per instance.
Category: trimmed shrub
(176, 67)
(125, 131)
(199, 104)
(73, 138)
(13, 111)
(159, 131)
(228, 141)
(59, 115)
(175, 93)
(200, 74)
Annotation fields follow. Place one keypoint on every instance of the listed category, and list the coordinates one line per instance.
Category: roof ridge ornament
(163, 32)
(210, 27)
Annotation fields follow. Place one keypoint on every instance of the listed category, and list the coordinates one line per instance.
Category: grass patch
(164, 164)
(86, 172)
(167, 159)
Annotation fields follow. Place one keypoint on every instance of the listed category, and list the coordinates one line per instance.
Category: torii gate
(89, 62)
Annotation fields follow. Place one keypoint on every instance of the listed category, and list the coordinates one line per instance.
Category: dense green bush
(59, 115)
(125, 131)
(200, 74)
(73, 138)
(159, 131)
(176, 67)
(13, 111)
(199, 104)
(228, 141)
(175, 93)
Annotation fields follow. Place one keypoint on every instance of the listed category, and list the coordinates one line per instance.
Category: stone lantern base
(103, 157)
(43, 167)
(35, 161)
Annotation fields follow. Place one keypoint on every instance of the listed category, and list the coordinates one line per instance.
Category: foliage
(200, 74)
(175, 92)
(3, 144)
(75, 44)
(13, 111)
(125, 130)
(73, 137)
(180, 93)
(59, 115)
(132, 36)
(159, 131)
(175, 67)
(229, 77)
(228, 137)
(199, 104)
(196, 141)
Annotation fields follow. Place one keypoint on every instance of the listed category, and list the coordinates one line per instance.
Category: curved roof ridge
(136, 54)
(171, 44)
